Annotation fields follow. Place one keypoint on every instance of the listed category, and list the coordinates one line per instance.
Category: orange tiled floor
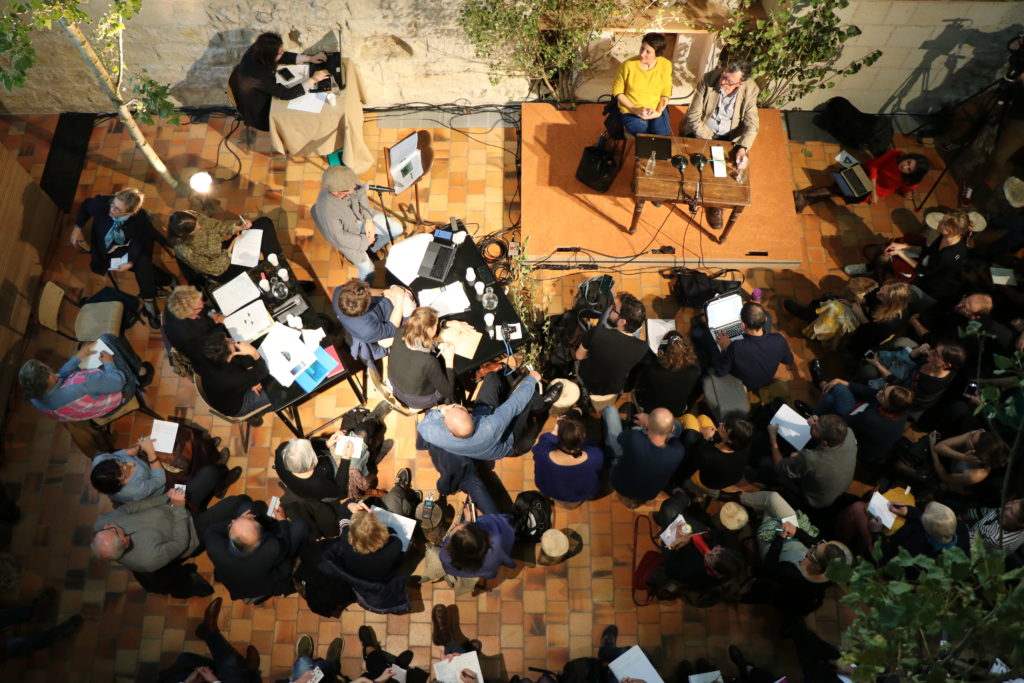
(535, 617)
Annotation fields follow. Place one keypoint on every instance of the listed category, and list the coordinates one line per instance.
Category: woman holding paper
(257, 80)
(419, 378)
(366, 548)
(127, 475)
(309, 470)
(200, 241)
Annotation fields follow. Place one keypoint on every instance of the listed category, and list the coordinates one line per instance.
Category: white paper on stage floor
(285, 354)
(792, 427)
(657, 328)
(245, 250)
(300, 72)
(117, 262)
(312, 102)
(249, 322)
(235, 293)
(673, 532)
(406, 256)
(403, 526)
(92, 361)
(633, 663)
(879, 507)
(163, 435)
(707, 677)
(311, 338)
(449, 671)
(1003, 276)
(447, 300)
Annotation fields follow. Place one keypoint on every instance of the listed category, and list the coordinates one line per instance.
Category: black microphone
(379, 188)
(698, 160)
(679, 161)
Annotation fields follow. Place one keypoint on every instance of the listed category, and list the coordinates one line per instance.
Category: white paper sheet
(879, 507)
(447, 300)
(718, 162)
(673, 531)
(792, 427)
(398, 674)
(163, 435)
(707, 677)
(633, 663)
(357, 446)
(92, 361)
(404, 257)
(448, 672)
(116, 263)
(286, 356)
(1003, 276)
(235, 293)
(245, 250)
(312, 102)
(249, 322)
(403, 526)
(657, 328)
(311, 338)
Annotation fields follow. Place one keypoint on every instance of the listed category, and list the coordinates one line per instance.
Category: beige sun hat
(569, 397)
(978, 222)
(733, 516)
(554, 545)
(1013, 189)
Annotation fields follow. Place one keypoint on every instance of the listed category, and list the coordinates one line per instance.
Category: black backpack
(854, 128)
(531, 515)
(598, 166)
(694, 288)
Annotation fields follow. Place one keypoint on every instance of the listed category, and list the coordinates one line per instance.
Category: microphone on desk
(379, 188)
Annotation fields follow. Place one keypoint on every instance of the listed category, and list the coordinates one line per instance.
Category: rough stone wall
(414, 51)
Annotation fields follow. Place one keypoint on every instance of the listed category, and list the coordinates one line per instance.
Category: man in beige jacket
(724, 107)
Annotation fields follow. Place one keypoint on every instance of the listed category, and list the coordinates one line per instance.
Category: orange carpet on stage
(560, 211)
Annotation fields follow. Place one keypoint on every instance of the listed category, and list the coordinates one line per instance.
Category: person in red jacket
(894, 171)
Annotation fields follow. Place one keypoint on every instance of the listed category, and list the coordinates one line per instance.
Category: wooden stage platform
(560, 211)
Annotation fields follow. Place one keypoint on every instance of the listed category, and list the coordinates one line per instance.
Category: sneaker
(305, 647)
(335, 649)
(404, 478)
(855, 269)
(609, 636)
(380, 411)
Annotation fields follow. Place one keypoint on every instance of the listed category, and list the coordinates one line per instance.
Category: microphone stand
(387, 221)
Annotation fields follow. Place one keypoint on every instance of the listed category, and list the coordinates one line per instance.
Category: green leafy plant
(542, 40)
(795, 50)
(103, 54)
(947, 624)
(525, 294)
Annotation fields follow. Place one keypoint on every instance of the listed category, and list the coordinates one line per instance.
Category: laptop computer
(661, 145)
(440, 254)
(723, 315)
(854, 181)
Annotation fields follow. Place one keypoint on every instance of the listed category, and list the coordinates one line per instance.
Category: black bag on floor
(694, 288)
(854, 128)
(531, 515)
(598, 166)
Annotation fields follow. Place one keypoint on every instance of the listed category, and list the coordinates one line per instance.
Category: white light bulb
(201, 182)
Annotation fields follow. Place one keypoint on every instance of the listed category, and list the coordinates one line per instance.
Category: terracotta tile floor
(535, 617)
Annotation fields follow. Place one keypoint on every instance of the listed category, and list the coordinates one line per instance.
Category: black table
(286, 401)
(468, 256)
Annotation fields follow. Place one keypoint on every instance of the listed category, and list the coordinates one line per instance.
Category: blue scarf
(115, 235)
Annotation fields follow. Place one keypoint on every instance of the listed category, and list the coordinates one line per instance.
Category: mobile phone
(286, 74)
(179, 487)
(428, 506)
(869, 354)
(971, 389)
(273, 505)
(318, 675)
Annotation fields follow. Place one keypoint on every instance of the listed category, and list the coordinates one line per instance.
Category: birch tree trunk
(132, 126)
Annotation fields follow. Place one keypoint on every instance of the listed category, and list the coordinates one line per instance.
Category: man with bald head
(253, 555)
(645, 457)
(146, 535)
(492, 426)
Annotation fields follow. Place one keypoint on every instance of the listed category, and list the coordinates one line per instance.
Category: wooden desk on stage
(303, 134)
(663, 185)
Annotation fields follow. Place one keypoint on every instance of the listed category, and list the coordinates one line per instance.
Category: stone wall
(413, 51)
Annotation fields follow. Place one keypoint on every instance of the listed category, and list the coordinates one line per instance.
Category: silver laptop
(724, 316)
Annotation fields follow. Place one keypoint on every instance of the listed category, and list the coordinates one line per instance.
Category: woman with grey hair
(75, 393)
(309, 470)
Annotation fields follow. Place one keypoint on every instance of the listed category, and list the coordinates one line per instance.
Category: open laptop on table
(440, 253)
(723, 314)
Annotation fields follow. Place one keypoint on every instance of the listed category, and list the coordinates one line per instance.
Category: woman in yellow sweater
(642, 88)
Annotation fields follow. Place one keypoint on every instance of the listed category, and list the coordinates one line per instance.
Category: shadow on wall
(963, 76)
(206, 82)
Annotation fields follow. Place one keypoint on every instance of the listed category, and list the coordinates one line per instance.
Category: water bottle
(649, 168)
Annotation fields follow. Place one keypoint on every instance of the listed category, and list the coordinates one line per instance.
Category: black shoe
(335, 649)
(684, 671)
(151, 316)
(738, 659)
(145, 374)
(549, 397)
(817, 379)
(368, 639)
(609, 636)
(403, 479)
(799, 200)
(252, 658)
(703, 666)
(216, 442)
(233, 475)
(380, 411)
(404, 660)
(798, 311)
(440, 625)
(305, 646)
(803, 408)
(210, 618)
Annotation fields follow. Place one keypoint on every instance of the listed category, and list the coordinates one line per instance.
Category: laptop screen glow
(724, 311)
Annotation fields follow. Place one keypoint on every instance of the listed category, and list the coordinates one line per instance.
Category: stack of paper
(249, 322)
(633, 663)
(792, 427)
(402, 526)
(448, 671)
(718, 162)
(92, 361)
(245, 250)
(117, 262)
(235, 293)
(448, 300)
(878, 507)
(286, 356)
(311, 102)
(163, 435)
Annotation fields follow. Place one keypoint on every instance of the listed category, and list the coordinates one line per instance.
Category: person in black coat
(253, 555)
(233, 375)
(122, 228)
(307, 468)
(188, 321)
(668, 379)
(877, 418)
(366, 548)
(257, 82)
(927, 533)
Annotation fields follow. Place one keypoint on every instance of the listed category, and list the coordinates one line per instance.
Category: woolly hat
(733, 516)
(1013, 188)
(554, 543)
(339, 179)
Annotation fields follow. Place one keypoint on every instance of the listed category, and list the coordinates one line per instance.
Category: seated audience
(700, 560)
(876, 418)
(756, 357)
(233, 375)
(122, 228)
(566, 466)
(370, 316)
(894, 171)
(309, 468)
(668, 380)
(989, 521)
(928, 532)
(343, 215)
(366, 548)
(925, 370)
(188, 321)
(823, 469)
(645, 458)
(419, 378)
(479, 549)
(496, 421)
(642, 87)
(200, 241)
(224, 665)
(717, 454)
(257, 78)
(75, 394)
(129, 474)
(459, 473)
(965, 462)
(253, 555)
(306, 665)
(608, 355)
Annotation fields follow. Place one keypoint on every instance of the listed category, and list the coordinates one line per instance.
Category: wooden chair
(136, 403)
(244, 422)
(93, 319)
(386, 393)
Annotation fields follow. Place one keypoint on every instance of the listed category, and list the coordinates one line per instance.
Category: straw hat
(733, 516)
(554, 543)
(978, 222)
(569, 397)
(1013, 188)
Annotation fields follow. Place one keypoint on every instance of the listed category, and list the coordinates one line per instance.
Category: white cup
(479, 287)
(283, 274)
(459, 237)
(265, 285)
(488, 319)
(273, 259)
(470, 274)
